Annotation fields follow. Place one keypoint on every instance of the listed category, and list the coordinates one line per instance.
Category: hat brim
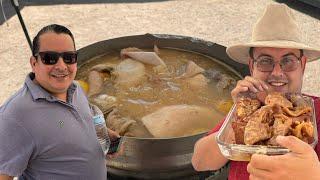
(240, 52)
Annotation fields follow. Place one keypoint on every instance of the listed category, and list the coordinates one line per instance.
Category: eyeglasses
(51, 57)
(287, 63)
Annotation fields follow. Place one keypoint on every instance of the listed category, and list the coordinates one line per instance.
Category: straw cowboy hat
(276, 28)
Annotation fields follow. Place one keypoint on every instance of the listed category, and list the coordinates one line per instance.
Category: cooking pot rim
(165, 138)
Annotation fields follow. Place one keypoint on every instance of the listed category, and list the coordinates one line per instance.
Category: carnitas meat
(304, 131)
(238, 127)
(288, 114)
(245, 106)
(277, 98)
(281, 126)
(258, 128)
(297, 100)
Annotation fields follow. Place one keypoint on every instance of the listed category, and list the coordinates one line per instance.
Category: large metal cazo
(158, 158)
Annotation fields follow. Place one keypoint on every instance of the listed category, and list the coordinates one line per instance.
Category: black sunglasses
(51, 57)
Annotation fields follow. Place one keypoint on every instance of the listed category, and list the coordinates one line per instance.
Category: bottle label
(98, 119)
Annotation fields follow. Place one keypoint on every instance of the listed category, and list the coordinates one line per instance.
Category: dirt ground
(225, 22)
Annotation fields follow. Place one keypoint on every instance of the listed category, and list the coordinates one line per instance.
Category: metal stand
(15, 4)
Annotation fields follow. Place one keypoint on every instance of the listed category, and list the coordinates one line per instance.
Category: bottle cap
(98, 119)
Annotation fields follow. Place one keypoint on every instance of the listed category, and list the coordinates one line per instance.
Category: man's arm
(207, 155)
(5, 177)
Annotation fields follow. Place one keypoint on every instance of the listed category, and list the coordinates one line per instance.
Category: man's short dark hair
(56, 28)
(251, 52)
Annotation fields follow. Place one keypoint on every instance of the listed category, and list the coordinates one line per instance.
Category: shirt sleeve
(16, 147)
(216, 128)
(317, 111)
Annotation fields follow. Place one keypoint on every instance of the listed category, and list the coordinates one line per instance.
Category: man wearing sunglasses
(277, 59)
(46, 128)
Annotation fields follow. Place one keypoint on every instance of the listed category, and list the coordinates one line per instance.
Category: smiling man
(53, 74)
(276, 58)
(46, 128)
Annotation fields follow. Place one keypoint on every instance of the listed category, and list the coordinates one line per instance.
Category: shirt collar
(38, 92)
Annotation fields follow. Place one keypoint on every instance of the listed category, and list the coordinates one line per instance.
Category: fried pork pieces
(281, 115)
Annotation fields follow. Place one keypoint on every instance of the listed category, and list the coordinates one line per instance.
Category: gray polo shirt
(44, 138)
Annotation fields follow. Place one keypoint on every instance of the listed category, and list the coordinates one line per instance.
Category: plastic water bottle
(101, 128)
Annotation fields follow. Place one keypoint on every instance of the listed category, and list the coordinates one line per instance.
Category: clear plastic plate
(240, 152)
